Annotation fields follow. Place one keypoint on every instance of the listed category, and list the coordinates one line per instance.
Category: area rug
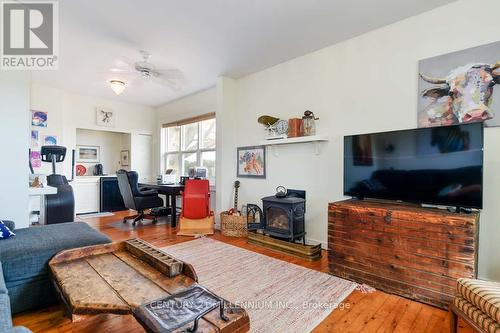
(278, 296)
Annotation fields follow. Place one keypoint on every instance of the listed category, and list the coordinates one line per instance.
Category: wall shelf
(316, 139)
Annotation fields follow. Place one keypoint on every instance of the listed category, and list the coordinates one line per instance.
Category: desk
(41, 192)
(171, 191)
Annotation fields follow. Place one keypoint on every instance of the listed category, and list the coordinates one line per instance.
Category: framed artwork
(49, 140)
(35, 139)
(39, 118)
(251, 162)
(124, 158)
(460, 87)
(36, 159)
(105, 117)
(88, 154)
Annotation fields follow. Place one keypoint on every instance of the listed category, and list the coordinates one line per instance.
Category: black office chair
(136, 198)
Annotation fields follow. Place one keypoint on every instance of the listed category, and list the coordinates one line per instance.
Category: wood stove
(285, 217)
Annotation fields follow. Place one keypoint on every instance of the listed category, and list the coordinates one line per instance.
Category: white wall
(225, 163)
(69, 111)
(14, 135)
(365, 84)
(200, 103)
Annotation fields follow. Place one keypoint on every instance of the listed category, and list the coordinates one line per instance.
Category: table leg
(173, 198)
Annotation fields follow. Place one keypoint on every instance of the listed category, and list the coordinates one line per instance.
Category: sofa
(25, 282)
(5, 314)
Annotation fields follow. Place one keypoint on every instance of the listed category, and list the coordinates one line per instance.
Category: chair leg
(139, 217)
(131, 217)
(153, 218)
(453, 321)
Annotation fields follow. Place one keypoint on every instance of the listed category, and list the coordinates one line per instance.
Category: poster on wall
(460, 87)
(39, 118)
(105, 117)
(49, 140)
(88, 154)
(35, 141)
(36, 159)
(124, 157)
(251, 162)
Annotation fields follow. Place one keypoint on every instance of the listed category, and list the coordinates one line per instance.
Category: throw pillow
(5, 232)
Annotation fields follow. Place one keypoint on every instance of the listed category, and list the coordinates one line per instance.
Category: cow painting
(464, 95)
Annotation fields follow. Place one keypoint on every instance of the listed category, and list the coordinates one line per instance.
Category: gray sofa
(24, 276)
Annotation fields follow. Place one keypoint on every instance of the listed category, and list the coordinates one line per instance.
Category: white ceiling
(204, 38)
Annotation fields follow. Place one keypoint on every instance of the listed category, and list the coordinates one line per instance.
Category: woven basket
(233, 225)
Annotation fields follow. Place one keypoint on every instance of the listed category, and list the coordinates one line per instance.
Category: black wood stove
(284, 217)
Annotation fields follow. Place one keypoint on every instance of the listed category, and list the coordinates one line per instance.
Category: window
(189, 144)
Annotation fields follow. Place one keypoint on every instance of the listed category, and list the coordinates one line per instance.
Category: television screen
(437, 165)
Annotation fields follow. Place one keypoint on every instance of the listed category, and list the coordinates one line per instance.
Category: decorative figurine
(308, 123)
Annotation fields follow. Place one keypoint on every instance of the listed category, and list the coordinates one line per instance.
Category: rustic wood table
(120, 277)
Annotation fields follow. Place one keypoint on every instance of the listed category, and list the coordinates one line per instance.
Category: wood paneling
(402, 249)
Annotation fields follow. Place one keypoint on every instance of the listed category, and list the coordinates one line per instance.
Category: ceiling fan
(144, 71)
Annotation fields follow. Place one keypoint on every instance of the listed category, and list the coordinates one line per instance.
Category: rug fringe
(365, 289)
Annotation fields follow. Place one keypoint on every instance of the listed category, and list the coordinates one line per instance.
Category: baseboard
(324, 245)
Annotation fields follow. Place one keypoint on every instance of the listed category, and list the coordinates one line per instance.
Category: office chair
(136, 198)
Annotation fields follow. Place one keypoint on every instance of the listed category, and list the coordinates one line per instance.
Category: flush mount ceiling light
(117, 86)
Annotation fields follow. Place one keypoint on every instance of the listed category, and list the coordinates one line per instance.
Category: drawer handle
(388, 217)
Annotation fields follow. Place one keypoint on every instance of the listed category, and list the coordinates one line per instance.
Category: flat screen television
(437, 165)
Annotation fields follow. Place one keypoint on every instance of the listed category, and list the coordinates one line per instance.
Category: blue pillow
(5, 232)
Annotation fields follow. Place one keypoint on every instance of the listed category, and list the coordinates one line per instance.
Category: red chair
(196, 217)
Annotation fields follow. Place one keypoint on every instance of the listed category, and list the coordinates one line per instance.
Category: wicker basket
(233, 225)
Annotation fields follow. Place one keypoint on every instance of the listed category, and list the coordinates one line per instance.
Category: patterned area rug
(278, 296)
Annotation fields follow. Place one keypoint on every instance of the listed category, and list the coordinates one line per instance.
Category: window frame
(180, 152)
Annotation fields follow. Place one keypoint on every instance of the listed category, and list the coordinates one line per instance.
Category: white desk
(41, 192)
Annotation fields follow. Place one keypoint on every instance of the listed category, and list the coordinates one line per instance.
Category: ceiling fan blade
(171, 73)
(173, 84)
(123, 62)
(138, 81)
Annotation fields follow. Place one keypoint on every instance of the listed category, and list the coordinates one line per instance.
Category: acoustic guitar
(234, 210)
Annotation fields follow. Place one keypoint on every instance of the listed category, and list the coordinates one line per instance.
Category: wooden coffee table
(120, 277)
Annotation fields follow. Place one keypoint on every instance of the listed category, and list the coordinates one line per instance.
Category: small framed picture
(251, 162)
(35, 159)
(35, 139)
(39, 118)
(105, 117)
(49, 140)
(88, 154)
(124, 160)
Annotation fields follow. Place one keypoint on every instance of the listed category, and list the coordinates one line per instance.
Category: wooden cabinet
(402, 249)
(87, 194)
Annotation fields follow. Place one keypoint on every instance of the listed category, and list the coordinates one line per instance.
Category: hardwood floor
(363, 312)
